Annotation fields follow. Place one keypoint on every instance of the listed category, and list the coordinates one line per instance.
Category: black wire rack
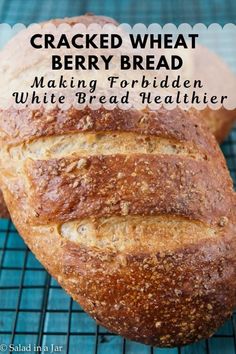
(34, 310)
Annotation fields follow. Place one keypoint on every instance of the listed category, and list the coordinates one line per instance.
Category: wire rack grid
(34, 310)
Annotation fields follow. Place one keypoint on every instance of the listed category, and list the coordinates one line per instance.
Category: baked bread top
(119, 141)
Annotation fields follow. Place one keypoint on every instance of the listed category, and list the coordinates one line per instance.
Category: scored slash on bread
(219, 122)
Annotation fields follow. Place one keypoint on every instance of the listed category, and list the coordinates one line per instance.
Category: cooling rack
(34, 310)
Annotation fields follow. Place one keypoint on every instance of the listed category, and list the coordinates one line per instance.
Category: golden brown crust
(154, 299)
(138, 184)
(33, 124)
(164, 299)
(24, 125)
(219, 122)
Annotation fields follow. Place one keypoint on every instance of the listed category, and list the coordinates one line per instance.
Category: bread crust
(164, 299)
(24, 125)
(150, 185)
(17, 130)
(163, 293)
(219, 121)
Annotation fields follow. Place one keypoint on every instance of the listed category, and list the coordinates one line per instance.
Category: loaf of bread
(133, 212)
(219, 121)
